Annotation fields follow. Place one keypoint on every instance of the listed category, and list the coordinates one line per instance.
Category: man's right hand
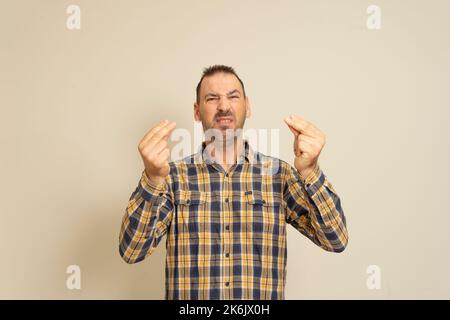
(155, 152)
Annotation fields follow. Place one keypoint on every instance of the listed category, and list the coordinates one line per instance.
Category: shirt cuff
(150, 187)
(314, 181)
(312, 177)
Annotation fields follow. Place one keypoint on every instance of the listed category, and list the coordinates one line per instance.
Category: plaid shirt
(226, 231)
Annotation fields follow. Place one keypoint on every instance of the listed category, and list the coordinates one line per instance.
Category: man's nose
(224, 104)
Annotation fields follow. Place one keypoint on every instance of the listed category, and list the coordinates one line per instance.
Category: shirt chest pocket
(192, 210)
(263, 212)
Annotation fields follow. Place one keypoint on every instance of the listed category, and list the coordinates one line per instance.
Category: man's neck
(226, 152)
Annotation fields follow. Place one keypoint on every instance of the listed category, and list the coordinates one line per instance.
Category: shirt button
(227, 254)
(227, 227)
(226, 174)
(226, 199)
(227, 283)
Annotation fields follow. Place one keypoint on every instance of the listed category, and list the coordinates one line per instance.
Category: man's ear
(196, 112)
(248, 110)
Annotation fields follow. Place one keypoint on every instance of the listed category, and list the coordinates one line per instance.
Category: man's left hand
(308, 144)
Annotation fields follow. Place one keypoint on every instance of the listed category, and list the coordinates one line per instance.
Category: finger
(159, 146)
(302, 125)
(314, 141)
(161, 134)
(166, 137)
(295, 132)
(309, 125)
(164, 154)
(154, 129)
(314, 129)
(162, 158)
(295, 126)
(164, 131)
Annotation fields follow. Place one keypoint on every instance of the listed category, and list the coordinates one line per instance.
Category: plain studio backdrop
(75, 104)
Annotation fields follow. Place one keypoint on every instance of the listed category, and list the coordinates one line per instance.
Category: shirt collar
(247, 156)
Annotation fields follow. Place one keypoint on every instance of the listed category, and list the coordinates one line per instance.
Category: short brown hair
(209, 71)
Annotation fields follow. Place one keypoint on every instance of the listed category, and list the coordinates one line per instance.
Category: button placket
(228, 233)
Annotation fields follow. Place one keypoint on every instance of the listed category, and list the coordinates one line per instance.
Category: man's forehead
(221, 83)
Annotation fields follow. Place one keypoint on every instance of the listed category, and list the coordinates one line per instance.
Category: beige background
(74, 105)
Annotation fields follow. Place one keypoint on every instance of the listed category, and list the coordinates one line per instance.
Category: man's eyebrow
(216, 94)
(233, 91)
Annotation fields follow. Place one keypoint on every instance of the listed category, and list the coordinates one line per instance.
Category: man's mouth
(224, 120)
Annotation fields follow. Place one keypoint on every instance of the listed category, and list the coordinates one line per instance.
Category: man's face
(222, 104)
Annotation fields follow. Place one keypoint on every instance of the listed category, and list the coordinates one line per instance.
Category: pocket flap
(258, 197)
(191, 197)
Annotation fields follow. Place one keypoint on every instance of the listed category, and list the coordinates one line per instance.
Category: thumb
(295, 132)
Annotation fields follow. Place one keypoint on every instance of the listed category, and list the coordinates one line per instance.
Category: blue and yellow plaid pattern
(226, 231)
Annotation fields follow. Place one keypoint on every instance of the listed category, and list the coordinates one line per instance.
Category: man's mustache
(223, 114)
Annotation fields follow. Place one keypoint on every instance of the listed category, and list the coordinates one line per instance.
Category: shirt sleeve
(314, 208)
(146, 220)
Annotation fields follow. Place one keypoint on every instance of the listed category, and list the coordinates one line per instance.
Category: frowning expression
(222, 104)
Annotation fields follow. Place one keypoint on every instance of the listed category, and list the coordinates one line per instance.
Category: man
(225, 209)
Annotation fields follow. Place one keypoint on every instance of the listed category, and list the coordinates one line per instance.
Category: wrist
(306, 172)
(310, 174)
(155, 180)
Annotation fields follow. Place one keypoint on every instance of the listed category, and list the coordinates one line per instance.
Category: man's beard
(212, 125)
(222, 145)
(223, 139)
